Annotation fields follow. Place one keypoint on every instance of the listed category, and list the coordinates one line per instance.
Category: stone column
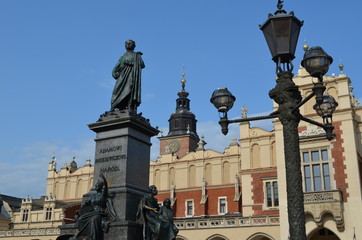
(122, 154)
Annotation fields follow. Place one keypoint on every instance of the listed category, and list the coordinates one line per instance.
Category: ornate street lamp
(281, 32)
(223, 100)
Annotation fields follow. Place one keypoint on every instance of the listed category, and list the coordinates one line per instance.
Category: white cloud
(107, 84)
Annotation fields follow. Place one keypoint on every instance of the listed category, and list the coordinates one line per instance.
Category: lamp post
(281, 32)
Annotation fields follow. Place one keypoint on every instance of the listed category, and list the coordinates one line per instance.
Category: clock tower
(182, 137)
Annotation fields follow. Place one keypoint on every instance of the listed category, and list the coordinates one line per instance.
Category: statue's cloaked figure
(168, 229)
(127, 72)
(148, 215)
(95, 214)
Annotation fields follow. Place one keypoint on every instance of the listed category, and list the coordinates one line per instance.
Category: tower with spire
(182, 137)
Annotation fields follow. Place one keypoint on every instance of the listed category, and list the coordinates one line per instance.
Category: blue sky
(57, 56)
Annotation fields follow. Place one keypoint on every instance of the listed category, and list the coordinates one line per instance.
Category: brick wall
(339, 166)
(258, 191)
(211, 205)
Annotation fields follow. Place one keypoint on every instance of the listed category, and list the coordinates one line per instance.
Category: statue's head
(153, 190)
(167, 202)
(99, 186)
(130, 45)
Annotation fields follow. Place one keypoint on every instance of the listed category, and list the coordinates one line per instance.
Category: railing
(226, 221)
(30, 232)
(323, 196)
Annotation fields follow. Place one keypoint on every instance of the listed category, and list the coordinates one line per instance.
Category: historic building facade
(239, 193)
(39, 219)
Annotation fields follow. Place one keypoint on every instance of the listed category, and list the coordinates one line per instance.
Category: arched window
(260, 236)
(67, 189)
(217, 237)
(80, 190)
(273, 154)
(57, 189)
(208, 174)
(157, 178)
(226, 172)
(255, 156)
(192, 176)
(172, 176)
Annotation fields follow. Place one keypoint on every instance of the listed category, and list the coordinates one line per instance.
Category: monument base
(122, 156)
(124, 230)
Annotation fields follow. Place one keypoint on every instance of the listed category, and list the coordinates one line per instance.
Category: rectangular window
(305, 157)
(189, 208)
(275, 192)
(48, 213)
(307, 179)
(271, 192)
(324, 155)
(269, 200)
(327, 179)
(315, 156)
(222, 205)
(317, 181)
(316, 173)
(25, 215)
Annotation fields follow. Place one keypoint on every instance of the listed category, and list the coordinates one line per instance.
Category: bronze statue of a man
(127, 72)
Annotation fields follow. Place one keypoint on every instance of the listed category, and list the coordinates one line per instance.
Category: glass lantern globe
(222, 99)
(326, 108)
(316, 61)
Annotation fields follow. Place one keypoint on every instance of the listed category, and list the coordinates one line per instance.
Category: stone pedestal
(122, 154)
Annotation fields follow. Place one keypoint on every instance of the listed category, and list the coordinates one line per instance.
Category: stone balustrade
(226, 221)
(30, 232)
(322, 196)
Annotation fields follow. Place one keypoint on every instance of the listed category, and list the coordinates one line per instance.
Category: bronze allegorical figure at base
(95, 214)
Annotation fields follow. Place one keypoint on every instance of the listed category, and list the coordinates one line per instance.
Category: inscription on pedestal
(110, 158)
(110, 154)
(110, 169)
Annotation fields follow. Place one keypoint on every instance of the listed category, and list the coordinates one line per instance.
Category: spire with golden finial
(183, 80)
(305, 46)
